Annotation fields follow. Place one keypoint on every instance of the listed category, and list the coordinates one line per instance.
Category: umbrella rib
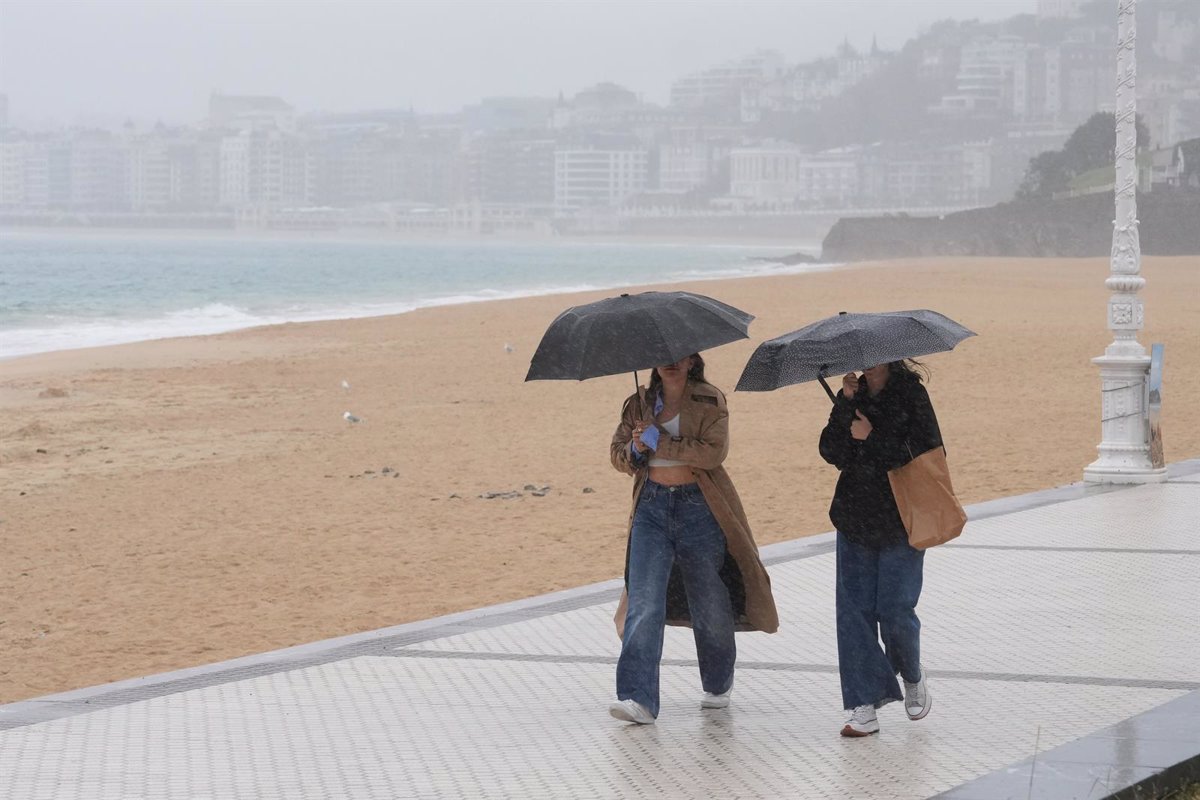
(588, 322)
(661, 337)
(857, 338)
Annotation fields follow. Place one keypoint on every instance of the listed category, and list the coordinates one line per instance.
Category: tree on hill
(1046, 174)
(1092, 145)
(1191, 162)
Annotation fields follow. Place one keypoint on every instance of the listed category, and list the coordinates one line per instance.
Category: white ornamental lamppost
(1124, 368)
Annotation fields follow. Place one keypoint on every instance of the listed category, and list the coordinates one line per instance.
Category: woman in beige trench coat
(690, 559)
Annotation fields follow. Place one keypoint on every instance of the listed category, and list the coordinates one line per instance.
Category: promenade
(1059, 635)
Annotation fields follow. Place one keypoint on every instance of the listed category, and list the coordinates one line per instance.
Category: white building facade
(786, 176)
(587, 178)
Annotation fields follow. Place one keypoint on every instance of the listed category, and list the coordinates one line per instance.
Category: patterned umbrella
(848, 343)
(632, 332)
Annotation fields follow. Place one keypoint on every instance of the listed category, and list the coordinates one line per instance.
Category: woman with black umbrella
(690, 558)
(879, 422)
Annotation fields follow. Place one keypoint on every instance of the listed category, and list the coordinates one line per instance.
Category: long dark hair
(696, 373)
(909, 368)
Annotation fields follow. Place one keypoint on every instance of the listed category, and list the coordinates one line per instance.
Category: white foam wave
(214, 318)
(756, 270)
(73, 334)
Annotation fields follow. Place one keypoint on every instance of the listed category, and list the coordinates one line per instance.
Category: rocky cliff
(1169, 224)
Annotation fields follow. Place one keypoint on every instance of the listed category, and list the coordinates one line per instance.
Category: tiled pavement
(1059, 634)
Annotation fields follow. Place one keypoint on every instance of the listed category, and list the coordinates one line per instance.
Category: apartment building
(787, 176)
(597, 177)
(725, 82)
(983, 84)
(24, 173)
(265, 169)
(512, 169)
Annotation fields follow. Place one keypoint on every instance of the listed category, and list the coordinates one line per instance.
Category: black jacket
(903, 426)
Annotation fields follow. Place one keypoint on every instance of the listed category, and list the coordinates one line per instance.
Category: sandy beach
(173, 503)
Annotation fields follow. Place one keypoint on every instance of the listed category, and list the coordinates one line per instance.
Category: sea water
(63, 291)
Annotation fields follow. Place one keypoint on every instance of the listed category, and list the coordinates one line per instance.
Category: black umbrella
(632, 332)
(848, 343)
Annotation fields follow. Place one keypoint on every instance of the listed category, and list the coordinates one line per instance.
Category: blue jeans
(673, 525)
(877, 593)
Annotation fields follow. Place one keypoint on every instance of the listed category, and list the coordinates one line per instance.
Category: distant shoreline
(787, 245)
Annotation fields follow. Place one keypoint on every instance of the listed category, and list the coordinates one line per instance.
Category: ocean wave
(756, 270)
(64, 333)
(58, 332)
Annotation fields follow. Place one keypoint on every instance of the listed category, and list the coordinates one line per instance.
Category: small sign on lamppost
(1154, 407)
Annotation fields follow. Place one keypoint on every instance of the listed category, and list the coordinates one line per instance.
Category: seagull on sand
(508, 348)
(346, 385)
(351, 418)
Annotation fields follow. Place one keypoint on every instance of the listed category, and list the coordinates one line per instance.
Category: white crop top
(671, 426)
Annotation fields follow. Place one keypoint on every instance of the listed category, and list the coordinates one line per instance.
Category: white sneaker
(917, 700)
(862, 722)
(711, 700)
(631, 711)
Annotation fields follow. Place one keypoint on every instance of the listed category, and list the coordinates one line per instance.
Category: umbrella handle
(637, 391)
(828, 391)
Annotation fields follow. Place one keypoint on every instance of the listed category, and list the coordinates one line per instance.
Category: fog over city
(103, 61)
(576, 117)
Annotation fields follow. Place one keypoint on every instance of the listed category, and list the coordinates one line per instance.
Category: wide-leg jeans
(877, 593)
(673, 525)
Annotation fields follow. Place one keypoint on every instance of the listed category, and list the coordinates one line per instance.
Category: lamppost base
(1097, 472)
(1124, 449)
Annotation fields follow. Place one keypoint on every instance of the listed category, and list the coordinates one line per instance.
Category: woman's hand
(861, 427)
(849, 385)
(638, 444)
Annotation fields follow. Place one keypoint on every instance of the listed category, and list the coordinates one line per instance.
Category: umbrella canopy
(848, 343)
(632, 332)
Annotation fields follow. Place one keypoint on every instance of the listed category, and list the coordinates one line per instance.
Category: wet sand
(173, 503)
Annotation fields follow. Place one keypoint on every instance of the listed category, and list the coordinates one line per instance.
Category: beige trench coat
(702, 443)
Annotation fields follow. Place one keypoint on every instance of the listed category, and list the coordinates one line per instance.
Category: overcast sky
(66, 61)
